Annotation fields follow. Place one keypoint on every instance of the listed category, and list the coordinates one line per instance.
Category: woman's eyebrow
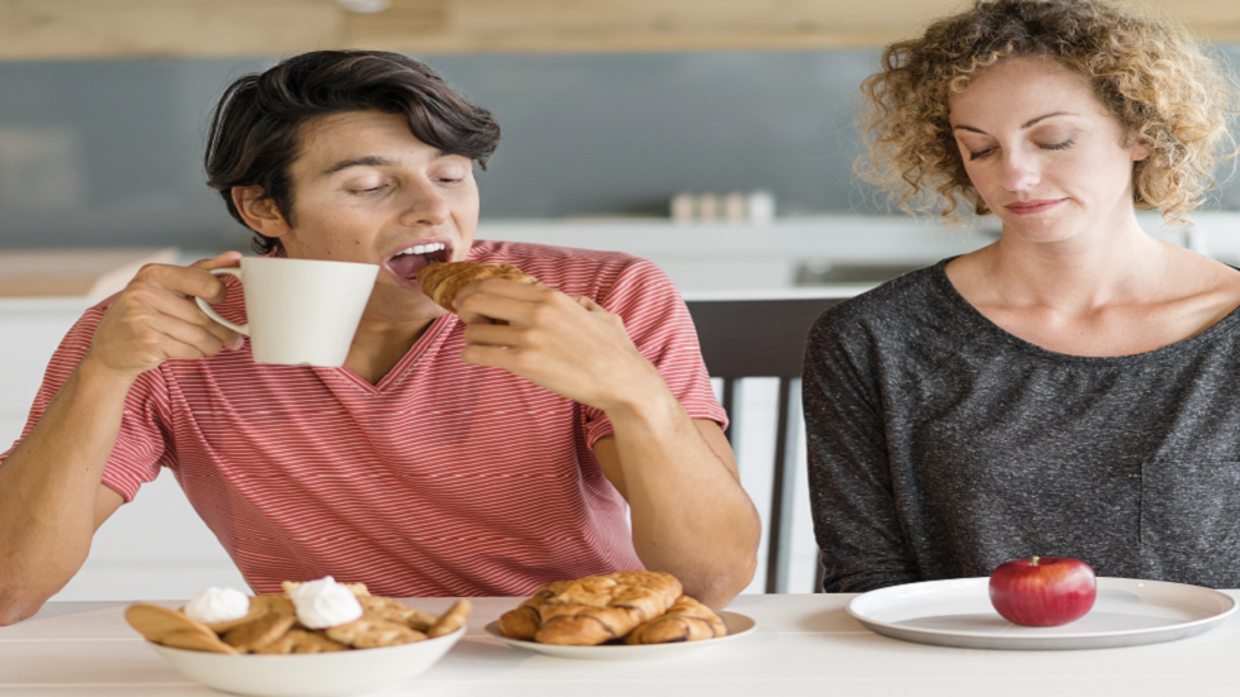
(1028, 124)
(1032, 122)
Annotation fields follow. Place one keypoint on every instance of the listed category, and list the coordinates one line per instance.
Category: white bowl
(334, 674)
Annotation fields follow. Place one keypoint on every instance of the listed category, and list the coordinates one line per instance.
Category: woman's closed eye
(1058, 146)
(1061, 145)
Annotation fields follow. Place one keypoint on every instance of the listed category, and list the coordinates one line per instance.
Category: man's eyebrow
(368, 161)
(1028, 124)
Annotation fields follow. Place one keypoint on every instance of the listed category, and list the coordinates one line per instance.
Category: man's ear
(259, 212)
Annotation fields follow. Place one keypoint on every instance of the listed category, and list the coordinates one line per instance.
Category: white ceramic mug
(300, 311)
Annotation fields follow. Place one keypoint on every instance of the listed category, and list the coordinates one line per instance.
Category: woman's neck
(1076, 275)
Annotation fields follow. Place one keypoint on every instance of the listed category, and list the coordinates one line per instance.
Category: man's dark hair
(256, 128)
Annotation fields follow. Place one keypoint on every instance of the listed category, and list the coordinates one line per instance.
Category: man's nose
(425, 205)
(1021, 170)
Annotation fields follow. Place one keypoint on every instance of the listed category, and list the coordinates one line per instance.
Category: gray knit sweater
(941, 446)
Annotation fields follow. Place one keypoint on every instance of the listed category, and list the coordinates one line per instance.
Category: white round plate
(332, 674)
(957, 612)
(738, 625)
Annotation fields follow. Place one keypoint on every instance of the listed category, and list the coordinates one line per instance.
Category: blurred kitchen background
(715, 137)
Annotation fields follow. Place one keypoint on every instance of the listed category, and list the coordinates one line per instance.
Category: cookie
(302, 641)
(395, 611)
(261, 632)
(369, 633)
(451, 620)
(195, 641)
(174, 628)
(155, 621)
(275, 603)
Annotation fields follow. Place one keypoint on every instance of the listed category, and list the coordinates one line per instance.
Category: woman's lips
(1031, 207)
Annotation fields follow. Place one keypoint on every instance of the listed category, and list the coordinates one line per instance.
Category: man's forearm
(690, 515)
(49, 490)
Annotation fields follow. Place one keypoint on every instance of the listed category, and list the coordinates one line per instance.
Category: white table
(804, 645)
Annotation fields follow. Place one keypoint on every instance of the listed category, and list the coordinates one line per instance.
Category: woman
(1074, 388)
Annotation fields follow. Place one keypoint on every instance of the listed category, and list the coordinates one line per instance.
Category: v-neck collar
(429, 339)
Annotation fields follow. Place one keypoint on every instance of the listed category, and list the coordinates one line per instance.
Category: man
(451, 455)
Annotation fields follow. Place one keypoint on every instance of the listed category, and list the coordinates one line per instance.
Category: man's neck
(379, 346)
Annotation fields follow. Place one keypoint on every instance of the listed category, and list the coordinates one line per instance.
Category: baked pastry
(686, 620)
(636, 607)
(597, 609)
(441, 281)
(524, 622)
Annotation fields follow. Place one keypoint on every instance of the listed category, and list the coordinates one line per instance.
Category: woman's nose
(425, 205)
(1020, 171)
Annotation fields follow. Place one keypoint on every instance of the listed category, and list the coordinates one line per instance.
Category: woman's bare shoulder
(1201, 279)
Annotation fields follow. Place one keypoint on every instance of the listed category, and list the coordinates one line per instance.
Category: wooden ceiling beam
(68, 29)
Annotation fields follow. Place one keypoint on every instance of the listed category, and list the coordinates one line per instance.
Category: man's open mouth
(406, 262)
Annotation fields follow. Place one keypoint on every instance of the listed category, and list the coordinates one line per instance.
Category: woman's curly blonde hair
(1150, 73)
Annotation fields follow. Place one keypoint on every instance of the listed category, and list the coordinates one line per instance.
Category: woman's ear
(259, 211)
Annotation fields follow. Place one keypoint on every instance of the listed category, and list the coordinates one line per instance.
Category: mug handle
(239, 328)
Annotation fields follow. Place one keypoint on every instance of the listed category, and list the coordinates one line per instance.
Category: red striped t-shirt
(444, 479)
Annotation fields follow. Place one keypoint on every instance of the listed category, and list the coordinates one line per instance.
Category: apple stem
(1033, 561)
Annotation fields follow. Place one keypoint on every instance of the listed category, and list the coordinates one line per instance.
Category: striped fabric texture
(444, 479)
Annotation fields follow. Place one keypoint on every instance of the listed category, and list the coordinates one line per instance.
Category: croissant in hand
(441, 281)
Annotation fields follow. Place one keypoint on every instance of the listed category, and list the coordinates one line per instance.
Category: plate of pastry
(738, 625)
(620, 616)
(280, 646)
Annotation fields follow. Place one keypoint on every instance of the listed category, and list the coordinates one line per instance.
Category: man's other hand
(155, 318)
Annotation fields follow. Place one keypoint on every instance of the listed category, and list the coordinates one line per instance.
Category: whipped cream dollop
(324, 603)
(218, 605)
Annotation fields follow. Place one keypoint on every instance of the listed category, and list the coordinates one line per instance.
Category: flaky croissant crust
(441, 281)
(597, 609)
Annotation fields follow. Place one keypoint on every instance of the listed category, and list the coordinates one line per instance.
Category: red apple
(1043, 591)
